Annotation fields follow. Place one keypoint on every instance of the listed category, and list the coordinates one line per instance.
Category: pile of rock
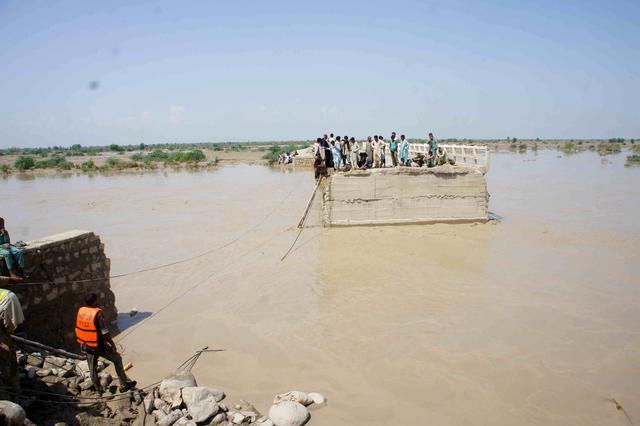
(180, 401)
(58, 389)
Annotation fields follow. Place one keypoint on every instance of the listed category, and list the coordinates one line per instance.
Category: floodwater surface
(534, 319)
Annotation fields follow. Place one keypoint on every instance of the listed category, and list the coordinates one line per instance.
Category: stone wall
(406, 195)
(51, 295)
(300, 161)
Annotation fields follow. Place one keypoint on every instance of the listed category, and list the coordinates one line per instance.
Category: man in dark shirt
(105, 347)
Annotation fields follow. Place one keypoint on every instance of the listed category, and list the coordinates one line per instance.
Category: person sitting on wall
(430, 159)
(442, 158)
(93, 336)
(418, 160)
(13, 256)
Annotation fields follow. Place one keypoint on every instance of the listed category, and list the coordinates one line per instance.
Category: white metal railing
(470, 155)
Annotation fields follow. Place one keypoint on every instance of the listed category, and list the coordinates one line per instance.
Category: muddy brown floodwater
(531, 320)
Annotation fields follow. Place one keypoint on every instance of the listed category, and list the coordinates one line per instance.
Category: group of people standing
(344, 152)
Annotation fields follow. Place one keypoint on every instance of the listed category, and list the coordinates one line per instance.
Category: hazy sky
(127, 72)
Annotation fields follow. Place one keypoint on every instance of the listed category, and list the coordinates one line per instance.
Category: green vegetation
(616, 140)
(273, 153)
(636, 149)
(192, 156)
(4, 169)
(116, 163)
(633, 160)
(522, 147)
(25, 162)
(569, 148)
(56, 161)
(609, 148)
(88, 166)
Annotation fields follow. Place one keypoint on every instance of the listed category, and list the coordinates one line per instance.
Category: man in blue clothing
(13, 256)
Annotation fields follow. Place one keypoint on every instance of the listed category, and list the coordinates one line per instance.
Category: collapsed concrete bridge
(405, 195)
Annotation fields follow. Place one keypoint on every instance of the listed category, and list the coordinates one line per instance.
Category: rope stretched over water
(166, 265)
(304, 218)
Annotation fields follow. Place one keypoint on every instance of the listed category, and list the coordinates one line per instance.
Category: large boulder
(171, 387)
(317, 398)
(297, 396)
(11, 414)
(201, 402)
(288, 413)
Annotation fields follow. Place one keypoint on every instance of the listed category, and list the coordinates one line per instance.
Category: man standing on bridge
(95, 340)
(433, 144)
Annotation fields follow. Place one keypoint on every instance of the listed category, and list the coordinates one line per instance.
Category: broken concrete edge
(68, 236)
(401, 196)
(398, 222)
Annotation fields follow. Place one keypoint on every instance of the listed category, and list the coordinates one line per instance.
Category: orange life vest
(86, 331)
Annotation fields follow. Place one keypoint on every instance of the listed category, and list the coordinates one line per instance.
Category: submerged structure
(404, 195)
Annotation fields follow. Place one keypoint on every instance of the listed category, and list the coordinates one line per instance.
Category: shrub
(25, 162)
(192, 156)
(569, 148)
(55, 161)
(156, 155)
(88, 166)
(66, 165)
(273, 153)
(115, 163)
(609, 148)
(115, 147)
(137, 157)
(112, 162)
(633, 160)
(4, 169)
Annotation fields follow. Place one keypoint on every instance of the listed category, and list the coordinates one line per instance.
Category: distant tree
(141, 147)
(115, 147)
(76, 147)
(515, 140)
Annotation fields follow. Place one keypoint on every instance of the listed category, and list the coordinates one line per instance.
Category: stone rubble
(177, 401)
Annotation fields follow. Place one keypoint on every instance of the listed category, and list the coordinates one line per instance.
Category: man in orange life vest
(95, 340)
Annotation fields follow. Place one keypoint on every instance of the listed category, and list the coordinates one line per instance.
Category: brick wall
(50, 305)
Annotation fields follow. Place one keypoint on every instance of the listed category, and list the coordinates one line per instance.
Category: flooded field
(530, 320)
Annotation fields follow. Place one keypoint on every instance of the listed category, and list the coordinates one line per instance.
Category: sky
(127, 72)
